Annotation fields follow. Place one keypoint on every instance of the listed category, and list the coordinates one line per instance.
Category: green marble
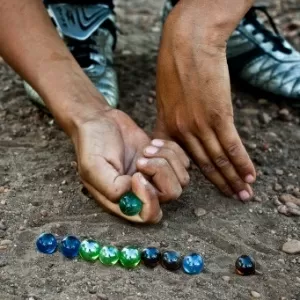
(130, 204)
(130, 256)
(109, 255)
(89, 250)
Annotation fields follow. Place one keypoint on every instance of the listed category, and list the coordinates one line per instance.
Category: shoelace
(269, 36)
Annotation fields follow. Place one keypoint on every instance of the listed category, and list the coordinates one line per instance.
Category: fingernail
(143, 180)
(249, 179)
(157, 143)
(151, 150)
(143, 161)
(244, 195)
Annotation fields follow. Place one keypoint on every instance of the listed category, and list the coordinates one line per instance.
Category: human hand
(116, 156)
(194, 105)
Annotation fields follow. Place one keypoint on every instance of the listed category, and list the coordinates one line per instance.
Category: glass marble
(151, 257)
(171, 260)
(130, 204)
(69, 246)
(193, 264)
(46, 243)
(109, 255)
(245, 265)
(130, 256)
(89, 250)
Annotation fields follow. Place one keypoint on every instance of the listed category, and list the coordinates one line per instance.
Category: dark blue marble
(171, 260)
(245, 265)
(46, 243)
(151, 257)
(70, 246)
(193, 264)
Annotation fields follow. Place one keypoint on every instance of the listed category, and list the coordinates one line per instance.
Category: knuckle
(233, 149)
(222, 161)
(162, 162)
(207, 168)
(186, 180)
(237, 183)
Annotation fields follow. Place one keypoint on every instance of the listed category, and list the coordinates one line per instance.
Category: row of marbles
(131, 256)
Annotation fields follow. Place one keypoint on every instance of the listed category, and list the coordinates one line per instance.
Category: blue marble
(171, 260)
(193, 264)
(69, 246)
(46, 243)
(245, 265)
(151, 257)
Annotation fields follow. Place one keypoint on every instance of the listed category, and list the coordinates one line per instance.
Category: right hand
(113, 159)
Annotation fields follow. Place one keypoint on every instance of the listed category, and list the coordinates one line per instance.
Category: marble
(151, 257)
(69, 246)
(46, 243)
(130, 257)
(130, 204)
(171, 260)
(109, 255)
(245, 265)
(193, 264)
(89, 250)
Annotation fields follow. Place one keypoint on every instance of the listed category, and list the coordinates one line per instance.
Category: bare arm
(193, 91)
(31, 45)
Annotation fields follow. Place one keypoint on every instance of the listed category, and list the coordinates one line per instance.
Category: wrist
(71, 97)
(212, 22)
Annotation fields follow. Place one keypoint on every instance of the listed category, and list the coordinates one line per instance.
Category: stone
(226, 278)
(193, 264)
(283, 210)
(109, 255)
(289, 198)
(200, 212)
(130, 257)
(294, 211)
(102, 297)
(245, 265)
(279, 172)
(46, 243)
(5, 242)
(255, 295)
(70, 246)
(291, 247)
(151, 257)
(285, 115)
(277, 187)
(2, 226)
(264, 118)
(292, 205)
(130, 204)
(171, 260)
(89, 250)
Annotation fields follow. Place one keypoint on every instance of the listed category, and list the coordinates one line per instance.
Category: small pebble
(291, 247)
(226, 278)
(277, 187)
(5, 242)
(264, 118)
(2, 226)
(281, 260)
(44, 213)
(74, 164)
(199, 212)
(21, 228)
(3, 202)
(283, 210)
(255, 294)
(102, 297)
(164, 244)
(298, 279)
(279, 172)
(294, 211)
(60, 192)
(285, 115)
(288, 205)
(289, 198)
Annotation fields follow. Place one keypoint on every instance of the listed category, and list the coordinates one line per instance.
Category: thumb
(151, 212)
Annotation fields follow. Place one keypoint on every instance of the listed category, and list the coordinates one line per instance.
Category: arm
(111, 149)
(31, 45)
(193, 91)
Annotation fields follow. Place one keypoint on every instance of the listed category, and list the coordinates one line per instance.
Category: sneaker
(261, 57)
(89, 31)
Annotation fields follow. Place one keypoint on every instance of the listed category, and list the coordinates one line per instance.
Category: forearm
(31, 45)
(211, 21)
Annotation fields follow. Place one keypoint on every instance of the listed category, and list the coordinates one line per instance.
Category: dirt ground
(40, 192)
